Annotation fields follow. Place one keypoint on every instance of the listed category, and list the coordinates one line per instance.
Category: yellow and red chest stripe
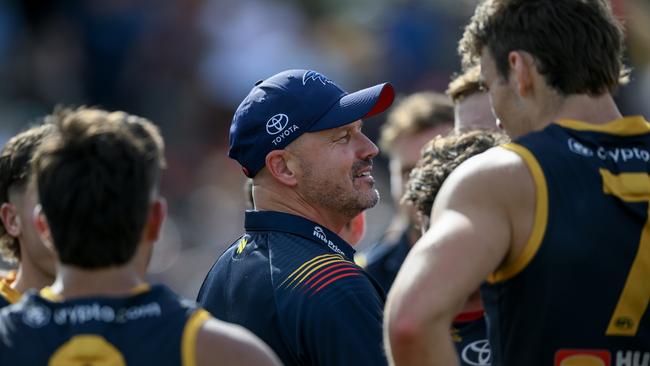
(319, 272)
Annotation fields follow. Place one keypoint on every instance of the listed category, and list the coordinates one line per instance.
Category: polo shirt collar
(297, 225)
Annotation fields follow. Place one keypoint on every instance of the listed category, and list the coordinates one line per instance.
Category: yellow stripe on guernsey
(48, 294)
(635, 297)
(626, 126)
(310, 266)
(6, 291)
(513, 266)
(190, 333)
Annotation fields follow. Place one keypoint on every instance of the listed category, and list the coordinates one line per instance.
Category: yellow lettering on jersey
(634, 299)
(87, 350)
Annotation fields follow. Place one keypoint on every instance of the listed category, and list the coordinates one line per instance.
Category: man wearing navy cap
(290, 279)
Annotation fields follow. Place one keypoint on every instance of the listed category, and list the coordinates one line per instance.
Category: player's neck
(74, 282)
(29, 276)
(597, 110)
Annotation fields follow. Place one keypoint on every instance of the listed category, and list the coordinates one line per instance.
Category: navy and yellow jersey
(469, 333)
(293, 283)
(152, 327)
(385, 259)
(579, 292)
(7, 294)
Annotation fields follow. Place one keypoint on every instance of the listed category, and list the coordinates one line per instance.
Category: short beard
(329, 195)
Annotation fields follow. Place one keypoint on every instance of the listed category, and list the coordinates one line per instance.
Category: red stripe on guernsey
(315, 276)
(349, 268)
(334, 279)
(469, 316)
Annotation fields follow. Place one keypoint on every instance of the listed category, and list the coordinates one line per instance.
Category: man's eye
(344, 138)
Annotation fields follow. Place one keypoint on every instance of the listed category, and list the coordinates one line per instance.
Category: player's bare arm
(229, 344)
(475, 212)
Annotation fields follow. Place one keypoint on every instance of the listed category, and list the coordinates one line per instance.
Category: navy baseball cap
(281, 108)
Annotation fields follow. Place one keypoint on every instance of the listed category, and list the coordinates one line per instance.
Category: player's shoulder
(221, 342)
(496, 165)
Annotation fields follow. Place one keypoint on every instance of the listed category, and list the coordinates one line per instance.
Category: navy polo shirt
(294, 284)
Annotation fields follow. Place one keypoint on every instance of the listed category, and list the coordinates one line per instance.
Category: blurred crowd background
(186, 65)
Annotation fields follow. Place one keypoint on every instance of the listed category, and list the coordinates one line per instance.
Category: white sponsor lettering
(477, 353)
(320, 234)
(630, 358)
(284, 134)
(616, 154)
(80, 314)
(623, 154)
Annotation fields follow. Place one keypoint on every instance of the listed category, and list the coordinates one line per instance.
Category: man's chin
(371, 199)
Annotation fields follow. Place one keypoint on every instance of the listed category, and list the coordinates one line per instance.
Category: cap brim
(364, 103)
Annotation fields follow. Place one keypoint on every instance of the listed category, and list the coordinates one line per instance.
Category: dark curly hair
(15, 162)
(439, 158)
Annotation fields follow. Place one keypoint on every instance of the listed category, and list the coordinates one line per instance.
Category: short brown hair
(15, 160)
(465, 84)
(96, 176)
(439, 158)
(413, 114)
(577, 45)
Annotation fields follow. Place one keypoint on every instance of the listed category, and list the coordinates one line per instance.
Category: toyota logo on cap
(277, 123)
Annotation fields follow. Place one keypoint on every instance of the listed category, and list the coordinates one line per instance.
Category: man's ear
(10, 219)
(282, 166)
(43, 227)
(521, 68)
(157, 214)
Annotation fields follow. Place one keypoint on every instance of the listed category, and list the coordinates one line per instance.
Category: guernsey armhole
(513, 266)
(190, 333)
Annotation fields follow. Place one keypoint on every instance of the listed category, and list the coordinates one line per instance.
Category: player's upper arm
(470, 235)
(221, 343)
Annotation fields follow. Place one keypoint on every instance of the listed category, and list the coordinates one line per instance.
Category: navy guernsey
(153, 327)
(294, 284)
(384, 260)
(579, 292)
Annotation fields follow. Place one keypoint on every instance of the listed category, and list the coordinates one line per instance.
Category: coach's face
(335, 169)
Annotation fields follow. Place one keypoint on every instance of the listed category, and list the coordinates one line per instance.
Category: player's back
(152, 327)
(578, 295)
